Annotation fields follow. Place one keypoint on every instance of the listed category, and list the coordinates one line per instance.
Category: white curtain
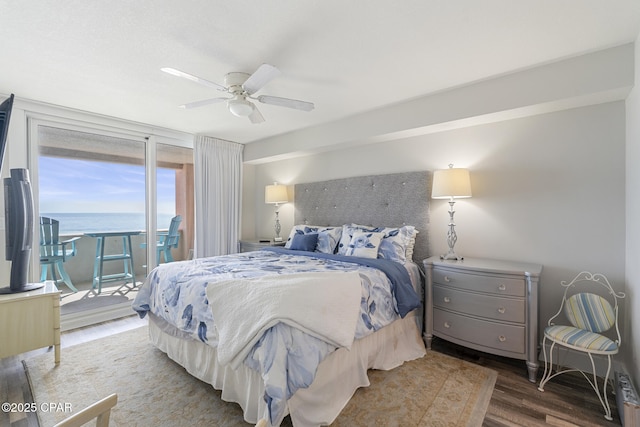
(218, 192)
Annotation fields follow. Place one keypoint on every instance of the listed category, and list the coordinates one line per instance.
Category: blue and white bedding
(324, 305)
(286, 357)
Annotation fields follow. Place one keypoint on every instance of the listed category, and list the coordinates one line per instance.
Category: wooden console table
(30, 320)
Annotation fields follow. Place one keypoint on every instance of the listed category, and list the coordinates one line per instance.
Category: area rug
(436, 390)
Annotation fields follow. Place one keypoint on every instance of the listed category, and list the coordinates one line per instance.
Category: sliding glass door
(95, 185)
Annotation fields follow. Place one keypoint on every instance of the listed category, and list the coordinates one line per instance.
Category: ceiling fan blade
(263, 75)
(256, 116)
(286, 102)
(202, 103)
(193, 78)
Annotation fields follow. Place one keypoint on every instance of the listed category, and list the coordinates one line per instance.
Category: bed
(293, 331)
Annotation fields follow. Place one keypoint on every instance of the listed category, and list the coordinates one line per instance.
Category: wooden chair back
(100, 411)
(173, 235)
(49, 236)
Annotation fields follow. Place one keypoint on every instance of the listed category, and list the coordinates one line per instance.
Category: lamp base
(451, 256)
(277, 239)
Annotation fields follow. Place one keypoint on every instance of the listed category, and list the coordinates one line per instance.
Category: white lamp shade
(452, 182)
(276, 193)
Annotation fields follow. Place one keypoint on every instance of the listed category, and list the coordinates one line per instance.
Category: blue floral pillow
(364, 244)
(328, 237)
(394, 244)
(347, 233)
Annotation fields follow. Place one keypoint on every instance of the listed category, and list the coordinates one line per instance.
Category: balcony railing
(80, 267)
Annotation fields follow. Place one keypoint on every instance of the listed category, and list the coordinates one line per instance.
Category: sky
(71, 186)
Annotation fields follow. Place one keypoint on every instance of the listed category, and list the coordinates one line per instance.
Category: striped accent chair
(589, 316)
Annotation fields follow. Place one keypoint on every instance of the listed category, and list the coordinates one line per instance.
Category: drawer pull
(447, 325)
(501, 310)
(502, 288)
(447, 299)
(446, 279)
(502, 338)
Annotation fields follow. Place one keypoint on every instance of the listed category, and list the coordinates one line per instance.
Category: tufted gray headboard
(390, 200)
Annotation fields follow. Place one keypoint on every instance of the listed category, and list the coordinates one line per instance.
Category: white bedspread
(325, 305)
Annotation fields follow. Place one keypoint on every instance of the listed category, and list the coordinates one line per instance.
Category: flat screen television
(18, 214)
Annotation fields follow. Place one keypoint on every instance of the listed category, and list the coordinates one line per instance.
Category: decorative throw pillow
(364, 244)
(304, 242)
(328, 237)
(299, 229)
(345, 237)
(394, 244)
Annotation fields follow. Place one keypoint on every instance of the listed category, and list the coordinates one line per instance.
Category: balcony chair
(167, 240)
(589, 316)
(54, 253)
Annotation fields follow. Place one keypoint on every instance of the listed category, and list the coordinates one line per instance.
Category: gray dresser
(487, 305)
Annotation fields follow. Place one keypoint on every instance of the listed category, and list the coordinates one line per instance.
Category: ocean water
(79, 223)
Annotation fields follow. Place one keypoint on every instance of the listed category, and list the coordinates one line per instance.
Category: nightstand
(256, 245)
(487, 305)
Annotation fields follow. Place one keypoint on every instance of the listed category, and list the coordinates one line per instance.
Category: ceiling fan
(241, 87)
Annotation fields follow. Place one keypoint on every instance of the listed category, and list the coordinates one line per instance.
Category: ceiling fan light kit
(239, 106)
(241, 86)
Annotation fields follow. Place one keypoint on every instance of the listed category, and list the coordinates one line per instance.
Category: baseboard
(91, 317)
(627, 401)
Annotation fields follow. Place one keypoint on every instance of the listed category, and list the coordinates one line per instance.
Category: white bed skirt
(338, 376)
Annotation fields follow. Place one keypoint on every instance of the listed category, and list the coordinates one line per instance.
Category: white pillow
(364, 244)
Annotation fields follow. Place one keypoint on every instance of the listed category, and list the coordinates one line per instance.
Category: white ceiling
(347, 57)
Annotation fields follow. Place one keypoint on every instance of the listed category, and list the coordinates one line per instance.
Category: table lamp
(276, 194)
(452, 183)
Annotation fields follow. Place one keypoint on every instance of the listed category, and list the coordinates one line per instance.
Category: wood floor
(567, 400)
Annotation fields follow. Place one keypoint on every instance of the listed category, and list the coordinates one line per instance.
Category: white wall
(632, 290)
(548, 189)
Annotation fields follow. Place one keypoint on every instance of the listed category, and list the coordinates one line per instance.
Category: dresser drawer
(489, 306)
(480, 283)
(483, 333)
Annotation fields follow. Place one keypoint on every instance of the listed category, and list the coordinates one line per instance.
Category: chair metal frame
(54, 252)
(579, 280)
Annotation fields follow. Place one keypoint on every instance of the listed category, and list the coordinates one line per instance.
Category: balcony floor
(88, 299)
